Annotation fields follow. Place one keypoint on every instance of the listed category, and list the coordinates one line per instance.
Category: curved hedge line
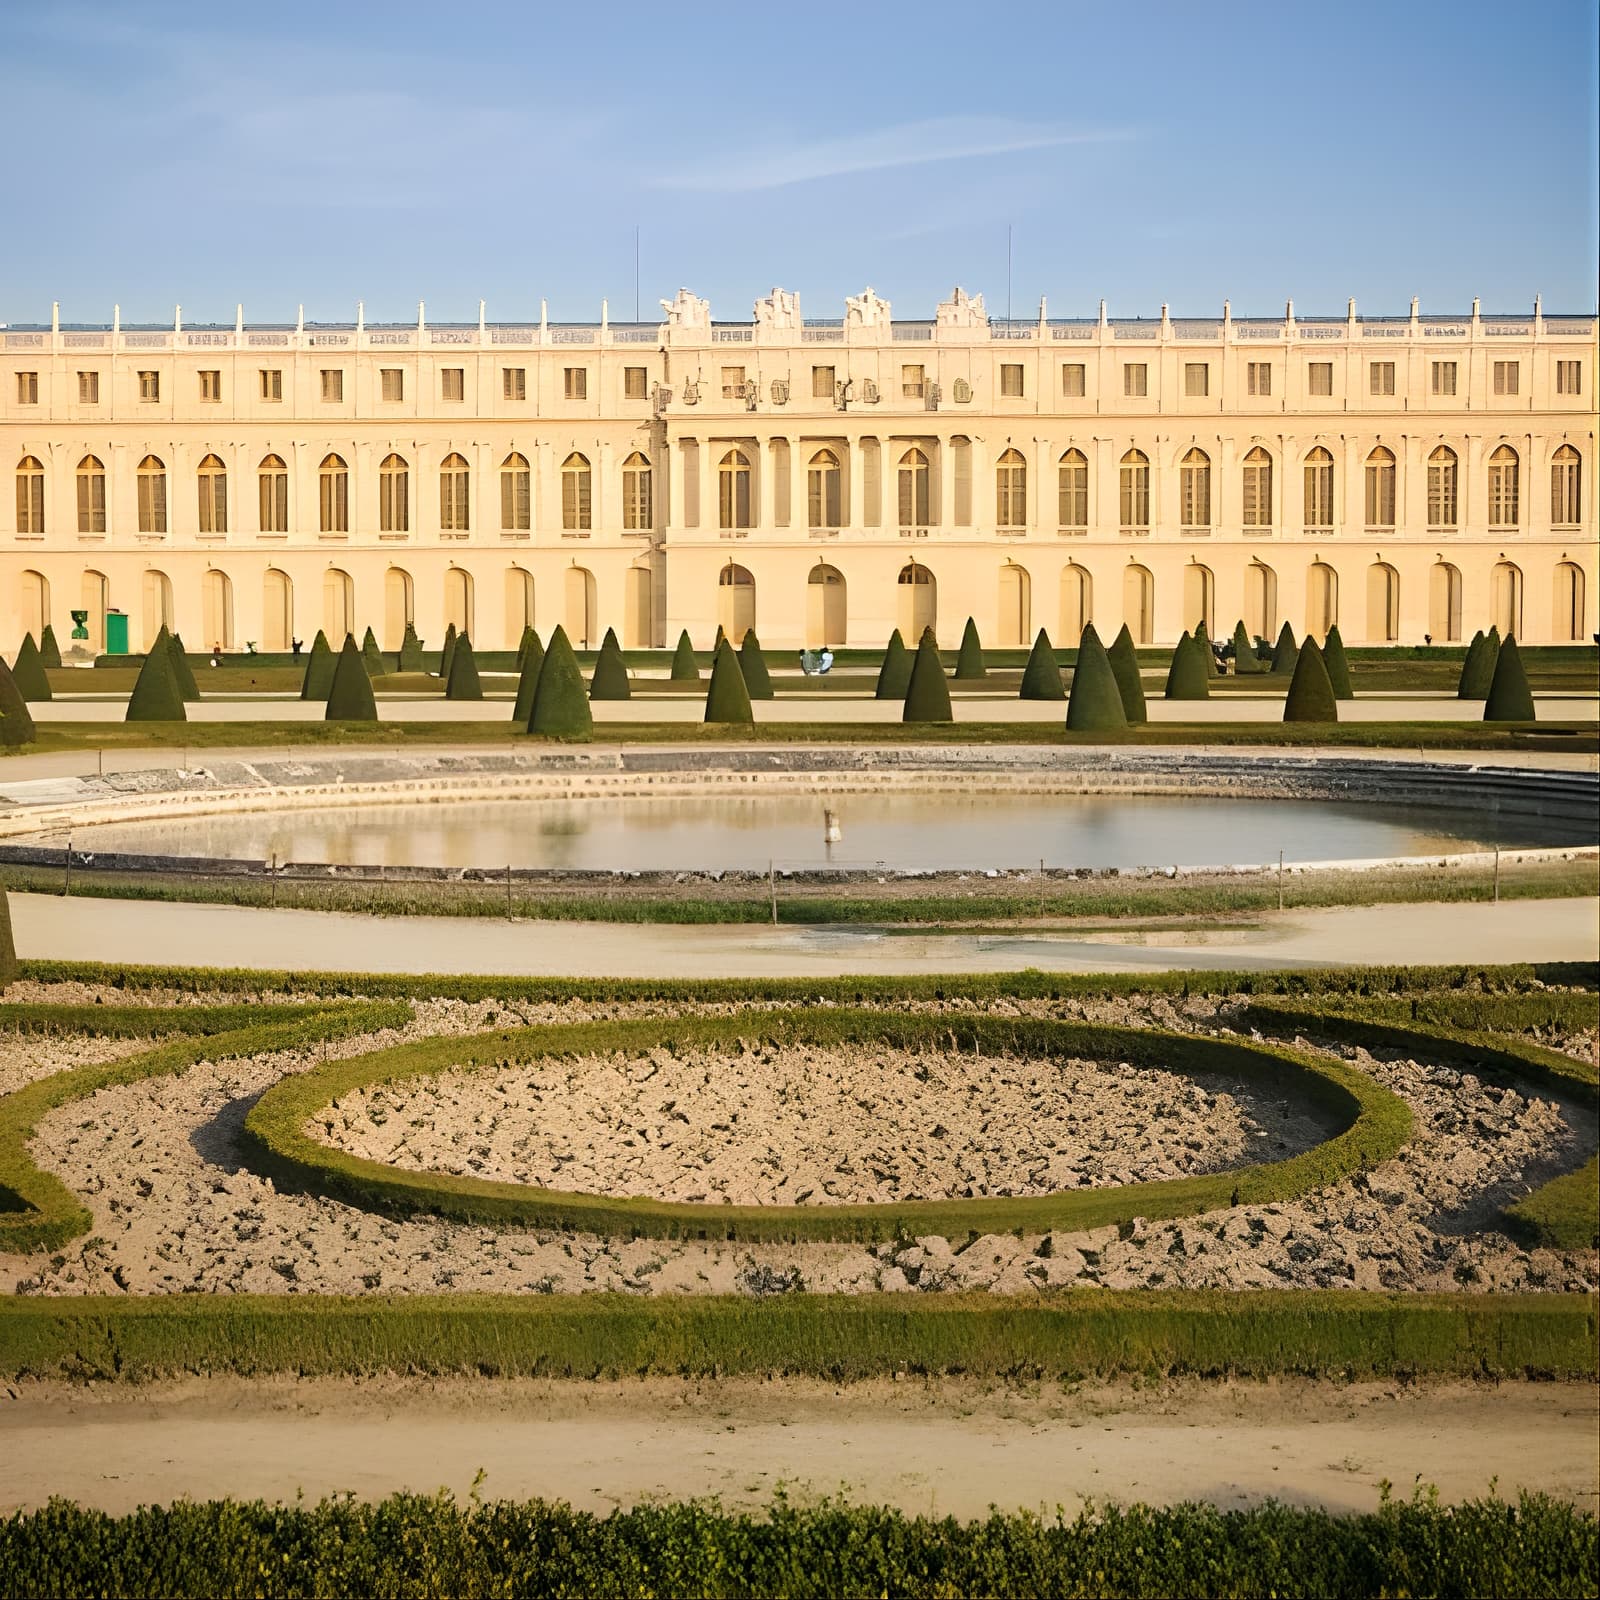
(1372, 1125)
(37, 1210)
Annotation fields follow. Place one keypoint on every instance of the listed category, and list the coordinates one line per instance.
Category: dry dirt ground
(943, 1447)
(174, 1209)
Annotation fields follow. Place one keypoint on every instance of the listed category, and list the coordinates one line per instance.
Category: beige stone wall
(699, 390)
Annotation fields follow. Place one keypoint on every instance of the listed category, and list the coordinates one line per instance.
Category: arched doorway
(1077, 601)
(580, 608)
(459, 600)
(1322, 599)
(1199, 599)
(918, 605)
(736, 602)
(1016, 605)
(216, 609)
(1505, 598)
(519, 605)
(33, 603)
(158, 611)
(1444, 602)
(638, 625)
(827, 608)
(399, 606)
(94, 596)
(1260, 601)
(277, 610)
(1139, 603)
(1383, 603)
(1567, 615)
(338, 606)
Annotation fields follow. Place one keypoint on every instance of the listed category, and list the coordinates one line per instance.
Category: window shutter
(871, 487)
(963, 482)
(780, 482)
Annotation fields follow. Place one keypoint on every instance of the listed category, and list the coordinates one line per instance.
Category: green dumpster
(116, 633)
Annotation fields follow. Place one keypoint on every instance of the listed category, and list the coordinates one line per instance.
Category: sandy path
(946, 1447)
(49, 927)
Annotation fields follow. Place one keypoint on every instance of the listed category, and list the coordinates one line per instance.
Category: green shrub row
(1370, 1124)
(140, 1022)
(1560, 1010)
(413, 1545)
(37, 1210)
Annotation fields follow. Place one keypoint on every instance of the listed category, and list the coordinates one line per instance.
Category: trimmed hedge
(685, 669)
(527, 679)
(350, 697)
(1124, 659)
(894, 675)
(970, 665)
(727, 698)
(1333, 658)
(28, 671)
(1245, 659)
(8, 948)
(1095, 704)
(1286, 653)
(1477, 671)
(157, 696)
(411, 651)
(49, 650)
(372, 655)
(560, 699)
(928, 693)
(182, 671)
(753, 667)
(1372, 1122)
(610, 678)
(446, 651)
(463, 682)
(1310, 697)
(1041, 678)
(525, 643)
(16, 720)
(1189, 675)
(1509, 699)
(318, 679)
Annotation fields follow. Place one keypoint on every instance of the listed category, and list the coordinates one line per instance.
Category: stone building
(824, 480)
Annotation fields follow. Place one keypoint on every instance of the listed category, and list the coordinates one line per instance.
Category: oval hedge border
(1372, 1124)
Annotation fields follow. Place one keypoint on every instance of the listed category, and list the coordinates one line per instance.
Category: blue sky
(1184, 152)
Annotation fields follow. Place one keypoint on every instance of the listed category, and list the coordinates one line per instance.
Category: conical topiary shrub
(894, 675)
(1510, 699)
(183, 672)
(463, 682)
(685, 669)
(446, 650)
(929, 637)
(754, 667)
(1188, 677)
(969, 661)
(372, 655)
(1207, 654)
(716, 644)
(1285, 653)
(1095, 704)
(350, 695)
(1333, 658)
(927, 695)
(49, 650)
(727, 696)
(528, 683)
(156, 696)
(8, 945)
(16, 720)
(28, 670)
(1124, 659)
(560, 699)
(1477, 671)
(1244, 652)
(1041, 678)
(319, 669)
(1310, 697)
(610, 680)
(524, 644)
(411, 651)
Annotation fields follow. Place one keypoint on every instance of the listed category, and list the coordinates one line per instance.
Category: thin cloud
(908, 144)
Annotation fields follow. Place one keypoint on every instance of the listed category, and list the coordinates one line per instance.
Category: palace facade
(824, 481)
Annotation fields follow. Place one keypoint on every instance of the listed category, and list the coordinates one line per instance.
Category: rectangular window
(1072, 380)
(576, 382)
(1136, 379)
(822, 383)
(1011, 379)
(392, 383)
(1507, 377)
(91, 501)
(1196, 379)
(1258, 377)
(514, 383)
(1073, 486)
(88, 388)
(1444, 377)
(149, 385)
(452, 383)
(1569, 377)
(152, 502)
(635, 384)
(271, 383)
(733, 383)
(1380, 377)
(1319, 377)
(333, 385)
(516, 496)
(913, 382)
(27, 388)
(273, 487)
(211, 385)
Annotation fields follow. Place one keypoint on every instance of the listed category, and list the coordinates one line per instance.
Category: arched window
(516, 494)
(1015, 605)
(915, 499)
(30, 495)
(453, 517)
(394, 495)
(1258, 489)
(460, 601)
(1566, 486)
(213, 485)
(1072, 486)
(338, 605)
(1194, 489)
(1380, 488)
(277, 610)
(1442, 498)
(1319, 491)
(1505, 598)
(33, 602)
(91, 495)
(1199, 599)
(733, 490)
(918, 606)
(1444, 602)
(1135, 495)
(1139, 602)
(1383, 603)
(1260, 601)
(1322, 598)
(580, 605)
(638, 494)
(576, 501)
(333, 497)
(152, 495)
(1503, 488)
(156, 588)
(272, 484)
(736, 602)
(1011, 491)
(1077, 600)
(827, 608)
(1568, 615)
(216, 608)
(823, 481)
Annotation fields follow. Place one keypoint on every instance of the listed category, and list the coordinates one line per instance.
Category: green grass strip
(1070, 1334)
(141, 1022)
(1370, 1124)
